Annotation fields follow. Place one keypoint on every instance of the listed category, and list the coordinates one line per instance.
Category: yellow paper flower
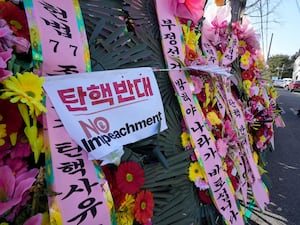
(190, 37)
(262, 138)
(185, 139)
(273, 92)
(2, 132)
(208, 94)
(250, 139)
(55, 214)
(245, 58)
(255, 157)
(247, 84)
(242, 44)
(25, 88)
(125, 214)
(195, 171)
(213, 118)
(34, 135)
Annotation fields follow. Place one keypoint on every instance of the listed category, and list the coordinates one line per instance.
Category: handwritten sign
(205, 148)
(103, 111)
(59, 46)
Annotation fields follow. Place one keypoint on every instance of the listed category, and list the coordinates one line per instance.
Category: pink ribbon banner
(60, 47)
(259, 192)
(205, 148)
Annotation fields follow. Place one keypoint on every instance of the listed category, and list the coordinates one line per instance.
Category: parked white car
(278, 83)
(283, 83)
(286, 82)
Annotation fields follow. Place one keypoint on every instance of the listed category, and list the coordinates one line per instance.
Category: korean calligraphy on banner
(59, 46)
(89, 105)
(261, 196)
(205, 148)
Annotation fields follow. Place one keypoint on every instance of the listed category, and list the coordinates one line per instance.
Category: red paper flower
(11, 116)
(204, 196)
(144, 204)
(248, 75)
(130, 177)
(118, 196)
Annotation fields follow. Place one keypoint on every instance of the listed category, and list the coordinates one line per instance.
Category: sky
(286, 31)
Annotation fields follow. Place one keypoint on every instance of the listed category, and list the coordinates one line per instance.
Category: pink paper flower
(34, 220)
(197, 84)
(201, 184)
(12, 188)
(215, 25)
(222, 146)
(188, 9)
(4, 57)
(8, 40)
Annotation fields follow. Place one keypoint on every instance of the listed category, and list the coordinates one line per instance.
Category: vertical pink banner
(83, 197)
(204, 142)
(61, 41)
(60, 47)
(259, 192)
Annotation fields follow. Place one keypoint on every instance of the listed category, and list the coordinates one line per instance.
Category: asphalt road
(284, 168)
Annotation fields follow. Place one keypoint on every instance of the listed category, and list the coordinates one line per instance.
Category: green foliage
(280, 66)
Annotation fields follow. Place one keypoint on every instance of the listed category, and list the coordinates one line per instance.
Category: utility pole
(270, 47)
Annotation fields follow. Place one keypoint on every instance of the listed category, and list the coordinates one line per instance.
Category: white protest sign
(103, 111)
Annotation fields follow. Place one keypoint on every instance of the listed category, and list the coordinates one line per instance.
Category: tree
(280, 66)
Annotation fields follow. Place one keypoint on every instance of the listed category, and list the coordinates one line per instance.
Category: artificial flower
(197, 84)
(201, 184)
(219, 2)
(191, 55)
(273, 92)
(144, 204)
(4, 57)
(222, 146)
(245, 60)
(34, 220)
(247, 75)
(208, 94)
(8, 40)
(25, 88)
(205, 196)
(191, 39)
(2, 131)
(118, 196)
(185, 140)
(247, 84)
(13, 187)
(215, 25)
(213, 118)
(125, 213)
(16, 19)
(189, 9)
(55, 214)
(130, 177)
(229, 131)
(195, 171)
(17, 165)
(11, 116)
